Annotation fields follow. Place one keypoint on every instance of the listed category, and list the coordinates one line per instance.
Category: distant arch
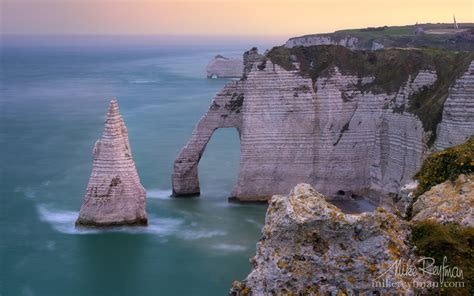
(224, 112)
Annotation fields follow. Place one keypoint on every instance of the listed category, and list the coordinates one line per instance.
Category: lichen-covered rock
(222, 67)
(447, 202)
(114, 195)
(309, 246)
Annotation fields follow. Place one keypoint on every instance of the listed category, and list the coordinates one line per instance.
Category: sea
(54, 94)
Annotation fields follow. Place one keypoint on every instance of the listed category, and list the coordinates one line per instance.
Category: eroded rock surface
(114, 195)
(222, 67)
(447, 202)
(335, 132)
(224, 111)
(309, 246)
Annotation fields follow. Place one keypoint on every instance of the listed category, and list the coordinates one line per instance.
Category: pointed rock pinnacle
(114, 195)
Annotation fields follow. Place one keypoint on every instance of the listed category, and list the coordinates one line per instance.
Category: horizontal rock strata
(114, 195)
(224, 111)
(333, 132)
(458, 113)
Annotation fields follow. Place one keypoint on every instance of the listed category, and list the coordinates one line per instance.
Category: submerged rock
(222, 67)
(448, 202)
(310, 247)
(114, 195)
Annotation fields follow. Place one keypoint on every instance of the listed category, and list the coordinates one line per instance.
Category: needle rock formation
(114, 194)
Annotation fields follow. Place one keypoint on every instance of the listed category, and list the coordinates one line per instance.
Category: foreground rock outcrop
(340, 120)
(114, 195)
(309, 247)
(222, 67)
(448, 202)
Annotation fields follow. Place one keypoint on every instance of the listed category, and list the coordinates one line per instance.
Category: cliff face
(334, 122)
(114, 195)
(309, 247)
(312, 40)
(224, 111)
(411, 36)
(458, 113)
(222, 67)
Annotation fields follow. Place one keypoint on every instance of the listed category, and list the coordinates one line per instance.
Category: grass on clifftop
(445, 165)
(391, 68)
(436, 241)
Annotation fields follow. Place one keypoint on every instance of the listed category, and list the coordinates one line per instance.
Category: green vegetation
(405, 37)
(235, 103)
(391, 68)
(445, 165)
(452, 241)
(428, 103)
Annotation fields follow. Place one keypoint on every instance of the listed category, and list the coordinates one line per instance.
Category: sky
(224, 17)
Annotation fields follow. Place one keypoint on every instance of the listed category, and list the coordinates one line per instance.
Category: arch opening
(218, 168)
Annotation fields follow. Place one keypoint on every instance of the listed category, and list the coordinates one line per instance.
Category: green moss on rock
(445, 165)
(452, 241)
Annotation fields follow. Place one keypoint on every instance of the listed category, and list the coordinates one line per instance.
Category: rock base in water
(114, 195)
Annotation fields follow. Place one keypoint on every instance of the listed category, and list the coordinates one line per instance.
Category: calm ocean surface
(53, 102)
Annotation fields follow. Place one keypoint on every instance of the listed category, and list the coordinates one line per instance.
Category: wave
(63, 221)
(142, 81)
(199, 234)
(158, 193)
(252, 221)
(230, 247)
(27, 192)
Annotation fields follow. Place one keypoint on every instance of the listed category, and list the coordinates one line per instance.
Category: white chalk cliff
(114, 195)
(328, 132)
(222, 67)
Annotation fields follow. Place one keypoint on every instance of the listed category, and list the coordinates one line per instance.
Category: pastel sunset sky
(224, 17)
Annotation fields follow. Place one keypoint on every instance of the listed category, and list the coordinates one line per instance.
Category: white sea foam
(163, 226)
(45, 183)
(252, 221)
(63, 221)
(229, 247)
(142, 81)
(199, 234)
(28, 192)
(158, 193)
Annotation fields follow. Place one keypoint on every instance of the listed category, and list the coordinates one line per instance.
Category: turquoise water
(52, 107)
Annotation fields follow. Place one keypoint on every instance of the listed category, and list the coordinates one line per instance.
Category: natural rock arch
(224, 112)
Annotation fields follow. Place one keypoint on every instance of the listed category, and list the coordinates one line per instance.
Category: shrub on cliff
(445, 165)
(452, 241)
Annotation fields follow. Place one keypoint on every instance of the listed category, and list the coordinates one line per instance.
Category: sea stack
(114, 194)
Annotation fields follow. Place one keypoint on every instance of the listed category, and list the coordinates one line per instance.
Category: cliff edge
(358, 122)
